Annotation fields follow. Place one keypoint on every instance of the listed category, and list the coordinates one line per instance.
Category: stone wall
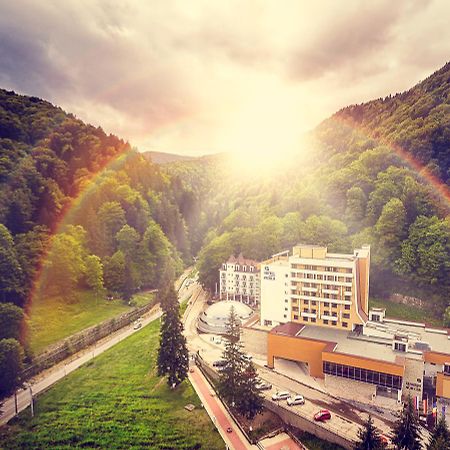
(81, 340)
(406, 300)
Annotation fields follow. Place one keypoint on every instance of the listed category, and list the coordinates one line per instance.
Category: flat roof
(352, 346)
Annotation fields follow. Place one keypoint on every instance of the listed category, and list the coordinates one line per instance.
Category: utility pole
(32, 401)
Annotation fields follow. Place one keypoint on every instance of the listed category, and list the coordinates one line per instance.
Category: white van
(296, 400)
(283, 395)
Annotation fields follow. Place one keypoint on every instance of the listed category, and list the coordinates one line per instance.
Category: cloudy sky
(196, 77)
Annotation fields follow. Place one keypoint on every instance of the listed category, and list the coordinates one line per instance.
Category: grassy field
(405, 312)
(116, 401)
(52, 319)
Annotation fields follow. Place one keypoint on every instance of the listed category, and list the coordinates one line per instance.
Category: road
(346, 419)
(50, 376)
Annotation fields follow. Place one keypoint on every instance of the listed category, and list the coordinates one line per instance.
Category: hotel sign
(268, 274)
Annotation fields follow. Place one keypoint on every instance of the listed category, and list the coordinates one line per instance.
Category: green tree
(173, 356)
(440, 438)
(66, 261)
(369, 437)
(390, 230)
(11, 366)
(447, 317)
(406, 429)
(356, 205)
(11, 317)
(94, 274)
(111, 217)
(114, 272)
(10, 270)
(250, 400)
(231, 373)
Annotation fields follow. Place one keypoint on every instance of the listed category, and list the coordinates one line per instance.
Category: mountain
(165, 158)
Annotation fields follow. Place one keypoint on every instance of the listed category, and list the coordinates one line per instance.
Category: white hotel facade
(240, 280)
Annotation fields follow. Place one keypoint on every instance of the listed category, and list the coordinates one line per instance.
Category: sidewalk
(219, 415)
(50, 376)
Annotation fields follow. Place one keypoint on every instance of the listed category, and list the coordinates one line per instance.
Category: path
(50, 376)
(219, 415)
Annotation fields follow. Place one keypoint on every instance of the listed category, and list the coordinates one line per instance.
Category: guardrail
(81, 340)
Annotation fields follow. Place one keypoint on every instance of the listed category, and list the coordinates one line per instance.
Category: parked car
(296, 400)
(137, 324)
(246, 357)
(281, 395)
(322, 415)
(263, 386)
(219, 363)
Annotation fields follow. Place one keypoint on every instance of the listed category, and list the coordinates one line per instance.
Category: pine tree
(173, 356)
(406, 429)
(250, 401)
(231, 373)
(440, 439)
(238, 377)
(369, 437)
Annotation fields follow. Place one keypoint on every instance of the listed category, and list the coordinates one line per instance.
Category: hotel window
(295, 317)
(295, 308)
(314, 311)
(326, 304)
(346, 316)
(285, 309)
(305, 319)
(447, 368)
(325, 322)
(267, 323)
(305, 310)
(285, 316)
(334, 305)
(334, 323)
(345, 324)
(399, 347)
(313, 319)
(313, 302)
(347, 307)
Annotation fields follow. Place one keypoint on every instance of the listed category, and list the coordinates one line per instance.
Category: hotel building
(314, 286)
(239, 280)
(315, 306)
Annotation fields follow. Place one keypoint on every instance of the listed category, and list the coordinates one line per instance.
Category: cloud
(196, 76)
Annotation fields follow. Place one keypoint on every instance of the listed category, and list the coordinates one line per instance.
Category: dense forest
(88, 212)
(365, 180)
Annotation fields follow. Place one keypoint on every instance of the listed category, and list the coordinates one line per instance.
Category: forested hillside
(81, 211)
(367, 180)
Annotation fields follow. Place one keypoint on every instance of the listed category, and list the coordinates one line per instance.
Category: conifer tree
(440, 439)
(231, 373)
(406, 429)
(238, 377)
(369, 437)
(250, 402)
(173, 356)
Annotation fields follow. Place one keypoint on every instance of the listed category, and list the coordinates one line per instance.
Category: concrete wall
(290, 418)
(254, 340)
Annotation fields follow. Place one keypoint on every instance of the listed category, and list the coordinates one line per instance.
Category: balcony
(328, 317)
(309, 289)
(331, 291)
(309, 314)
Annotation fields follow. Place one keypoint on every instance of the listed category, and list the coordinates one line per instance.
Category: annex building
(315, 304)
(239, 280)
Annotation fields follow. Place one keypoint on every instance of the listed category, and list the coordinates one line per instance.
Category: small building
(239, 280)
(215, 317)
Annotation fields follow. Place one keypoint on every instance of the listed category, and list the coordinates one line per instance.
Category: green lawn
(52, 319)
(116, 401)
(405, 312)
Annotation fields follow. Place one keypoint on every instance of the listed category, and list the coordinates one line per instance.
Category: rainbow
(440, 190)
(75, 205)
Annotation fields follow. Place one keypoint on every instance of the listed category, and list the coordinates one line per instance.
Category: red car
(322, 415)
